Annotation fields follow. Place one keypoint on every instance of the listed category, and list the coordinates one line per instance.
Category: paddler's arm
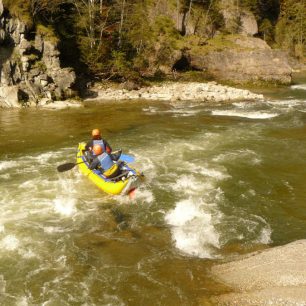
(89, 145)
(94, 164)
(108, 147)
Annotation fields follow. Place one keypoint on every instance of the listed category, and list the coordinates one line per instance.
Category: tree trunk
(121, 23)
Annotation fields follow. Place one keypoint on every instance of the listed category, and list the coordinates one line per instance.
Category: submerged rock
(275, 276)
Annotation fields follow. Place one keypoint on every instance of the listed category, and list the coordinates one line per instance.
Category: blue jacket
(103, 161)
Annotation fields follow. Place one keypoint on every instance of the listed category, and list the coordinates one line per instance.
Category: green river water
(221, 180)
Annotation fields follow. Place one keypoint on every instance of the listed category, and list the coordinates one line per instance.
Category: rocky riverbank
(275, 276)
(30, 67)
(176, 91)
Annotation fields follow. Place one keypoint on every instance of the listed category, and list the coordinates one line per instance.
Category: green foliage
(266, 29)
(20, 9)
(120, 67)
(40, 65)
(291, 27)
(47, 32)
(127, 38)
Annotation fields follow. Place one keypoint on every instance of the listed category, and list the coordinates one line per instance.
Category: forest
(111, 39)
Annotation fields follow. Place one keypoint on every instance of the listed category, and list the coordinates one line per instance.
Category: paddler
(104, 162)
(97, 139)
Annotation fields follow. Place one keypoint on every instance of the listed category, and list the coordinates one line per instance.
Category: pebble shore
(192, 91)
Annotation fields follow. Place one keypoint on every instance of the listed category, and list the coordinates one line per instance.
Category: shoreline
(175, 92)
(207, 92)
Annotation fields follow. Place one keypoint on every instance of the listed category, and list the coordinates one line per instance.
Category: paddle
(67, 166)
(127, 158)
(117, 155)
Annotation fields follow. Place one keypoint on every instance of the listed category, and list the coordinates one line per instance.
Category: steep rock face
(250, 61)
(238, 20)
(29, 67)
(1, 8)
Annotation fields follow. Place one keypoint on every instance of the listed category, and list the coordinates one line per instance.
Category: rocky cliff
(30, 68)
(242, 59)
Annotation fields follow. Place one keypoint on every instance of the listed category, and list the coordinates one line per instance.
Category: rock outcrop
(29, 67)
(275, 276)
(238, 20)
(248, 60)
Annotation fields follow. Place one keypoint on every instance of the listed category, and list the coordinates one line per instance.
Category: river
(221, 180)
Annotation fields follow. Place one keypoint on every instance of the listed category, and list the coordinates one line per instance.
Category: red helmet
(97, 149)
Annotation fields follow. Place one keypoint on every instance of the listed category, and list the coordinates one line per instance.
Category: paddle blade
(127, 158)
(65, 167)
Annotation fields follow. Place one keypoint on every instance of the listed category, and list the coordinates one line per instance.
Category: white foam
(266, 231)
(216, 174)
(144, 195)
(242, 104)
(4, 165)
(31, 184)
(22, 301)
(189, 184)
(250, 115)
(265, 235)
(26, 253)
(287, 105)
(300, 86)
(150, 109)
(192, 229)
(141, 196)
(65, 206)
(52, 229)
(244, 155)
(9, 243)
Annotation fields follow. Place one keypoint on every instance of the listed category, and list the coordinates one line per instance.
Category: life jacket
(99, 142)
(109, 168)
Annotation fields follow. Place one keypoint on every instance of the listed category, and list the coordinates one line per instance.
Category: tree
(266, 29)
(291, 27)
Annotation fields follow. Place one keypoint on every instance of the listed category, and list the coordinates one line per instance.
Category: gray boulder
(9, 96)
(51, 55)
(248, 23)
(275, 276)
(39, 43)
(1, 8)
(238, 20)
(2, 35)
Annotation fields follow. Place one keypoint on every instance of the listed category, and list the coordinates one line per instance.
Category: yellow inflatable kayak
(124, 183)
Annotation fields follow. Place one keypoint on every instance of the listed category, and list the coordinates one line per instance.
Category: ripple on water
(300, 86)
(244, 114)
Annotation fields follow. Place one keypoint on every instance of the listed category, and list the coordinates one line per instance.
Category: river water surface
(221, 180)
